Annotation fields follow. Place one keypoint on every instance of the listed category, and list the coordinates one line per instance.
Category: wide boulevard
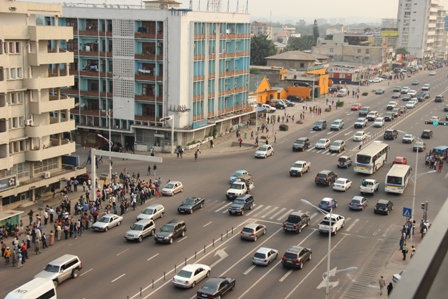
(114, 268)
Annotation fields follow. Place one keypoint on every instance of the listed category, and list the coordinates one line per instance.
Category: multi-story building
(34, 115)
(258, 28)
(417, 27)
(440, 43)
(135, 66)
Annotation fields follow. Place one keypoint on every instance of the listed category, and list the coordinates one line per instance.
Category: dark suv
(391, 134)
(426, 134)
(170, 231)
(295, 256)
(241, 203)
(116, 147)
(279, 104)
(325, 177)
(320, 125)
(301, 144)
(364, 111)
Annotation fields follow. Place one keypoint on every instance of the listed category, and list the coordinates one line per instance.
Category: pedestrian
(240, 141)
(390, 287)
(7, 255)
(46, 217)
(402, 238)
(58, 230)
(267, 140)
(440, 166)
(155, 169)
(275, 137)
(51, 238)
(75, 185)
(382, 284)
(212, 145)
(252, 135)
(360, 145)
(149, 170)
(256, 141)
(412, 250)
(44, 241)
(404, 251)
(30, 216)
(51, 212)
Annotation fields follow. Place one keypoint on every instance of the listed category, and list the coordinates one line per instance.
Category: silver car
(140, 230)
(264, 256)
(172, 188)
(107, 221)
(264, 151)
(252, 231)
(152, 212)
(190, 275)
(63, 268)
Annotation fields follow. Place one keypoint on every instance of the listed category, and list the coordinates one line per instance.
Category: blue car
(328, 203)
(237, 173)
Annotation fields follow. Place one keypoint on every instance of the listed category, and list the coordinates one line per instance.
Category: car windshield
(358, 134)
(188, 201)
(137, 227)
(364, 159)
(298, 165)
(52, 268)
(318, 123)
(299, 141)
(169, 186)
(418, 144)
(339, 181)
(407, 136)
(239, 201)
(293, 219)
(262, 149)
(336, 143)
(236, 186)
(360, 120)
(322, 141)
(237, 173)
(148, 212)
(104, 219)
(210, 286)
(184, 274)
(167, 228)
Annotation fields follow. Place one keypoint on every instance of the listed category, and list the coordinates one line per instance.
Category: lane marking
(266, 208)
(283, 217)
(256, 209)
(86, 272)
(152, 257)
(351, 226)
(123, 251)
(208, 223)
(271, 211)
(182, 239)
(285, 276)
(281, 210)
(248, 270)
(223, 207)
(118, 277)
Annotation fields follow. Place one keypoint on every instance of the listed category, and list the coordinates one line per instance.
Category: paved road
(119, 269)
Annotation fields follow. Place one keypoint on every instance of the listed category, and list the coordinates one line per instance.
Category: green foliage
(300, 43)
(299, 122)
(192, 142)
(315, 32)
(255, 71)
(283, 127)
(401, 50)
(365, 93)
(329, 37)
(260, 48)
(328, 109)
(340, 103)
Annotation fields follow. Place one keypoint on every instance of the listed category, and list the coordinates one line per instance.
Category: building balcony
(145, 56)
(54, 149)
(3, 86)
(64, 103)
(148, 98)
(92, 53)
(199, 57)
(90, 33)
(51, 129)
(147, 77)
(37, 59)
(4, 137)
(148, 35)
(94, 74)
(6, 163)
(199, 36)
(90, 93)
(48, 82)
(198, 78)
(146, 118)
(5, 111)
(198, 98)
(38, 33)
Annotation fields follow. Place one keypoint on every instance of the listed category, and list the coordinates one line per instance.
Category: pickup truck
(242, 185)
(337, 222)
(296, 221)
(299, 168)
(369, 186)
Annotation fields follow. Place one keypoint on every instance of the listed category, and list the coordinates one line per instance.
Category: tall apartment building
(258, 28)
(34, 115)
(135, 66)
(417, 28)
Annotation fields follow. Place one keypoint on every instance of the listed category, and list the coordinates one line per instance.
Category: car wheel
(161, 215)
(335, 232)
(193, 284)
(387, 212)
(140, 239)
(242, 212)
(264, 232)
(251, 207)
(300, 174)
(119, 223)
(202, 205)
(362, 193)
(183, 233)
(299, 230)
(301, 265)
(336, 205)
(309, 258)
(255, 239)
(171, 240)
(191, 211)
(106, 229)
(55, 282)
(75, 273)
(230, 213)
(208, 274)
(153, 232)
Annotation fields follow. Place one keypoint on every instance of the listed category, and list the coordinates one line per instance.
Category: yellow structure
(264, 92)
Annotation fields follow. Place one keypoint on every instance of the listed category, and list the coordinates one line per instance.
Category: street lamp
(327, 289)
(174, 109)
(109, 116)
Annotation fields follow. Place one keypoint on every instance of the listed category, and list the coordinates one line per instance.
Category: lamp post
(109, 116)
(327, 289)
(178, 109)
(333, 273)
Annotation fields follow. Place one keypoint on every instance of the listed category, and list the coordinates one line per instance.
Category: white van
(38, 288)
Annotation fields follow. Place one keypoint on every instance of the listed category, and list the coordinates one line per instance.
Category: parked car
(289, 103)
(344, 162)
(342, 93)
(279, 104)
(116, 147)
(294, 98)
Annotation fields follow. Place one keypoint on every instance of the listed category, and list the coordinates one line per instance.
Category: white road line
(311, 148)
(271, 211)
(122, 251)
(208, 223)
(348, 133)
(285, 276)
(266, 208)
(256, 209)
(314, 215)
(281, 210)
(85, 272)
(152, 257)
(223, 207)
(351, 226)
(118, 277)
(283, 217)
(182, 239)
(329, 133)
(248, 270)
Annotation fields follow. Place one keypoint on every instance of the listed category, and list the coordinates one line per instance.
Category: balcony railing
(91, 73)
(55, 148)
(92, 53)
(146, 56)
(93, 32)
(148, 35)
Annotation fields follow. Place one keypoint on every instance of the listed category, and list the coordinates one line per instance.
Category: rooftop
(297, 55)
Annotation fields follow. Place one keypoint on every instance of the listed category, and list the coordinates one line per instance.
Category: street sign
(407, 212)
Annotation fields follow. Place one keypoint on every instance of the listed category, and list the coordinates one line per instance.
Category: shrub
(327, 109)
(340, 103)
(365, 93)
(299, 122)
(283, 127)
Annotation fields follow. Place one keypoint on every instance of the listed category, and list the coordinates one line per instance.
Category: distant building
(339, 28)
(258, 28)
(333, 21)
(389, 23)
(297, 60)
(322, 21)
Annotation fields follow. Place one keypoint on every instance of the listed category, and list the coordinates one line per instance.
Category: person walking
(51, 238)
(30, 216)
(390, 287)
(382, 284)
(360, 145)
(440, 166)
(404, 251)
(155, 169)
(7, 255)
(256, 141)
(149, 170)
(275, 137)
(44, 241)
(412, 250)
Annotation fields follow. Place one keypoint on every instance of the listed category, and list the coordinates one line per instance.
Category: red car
(400, 160)
(356, 106)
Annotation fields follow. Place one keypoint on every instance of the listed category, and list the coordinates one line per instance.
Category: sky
(291, 10)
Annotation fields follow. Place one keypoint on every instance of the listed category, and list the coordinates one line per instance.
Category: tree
(260, 48)
(300, 43)
(402, 50)
(315, 32)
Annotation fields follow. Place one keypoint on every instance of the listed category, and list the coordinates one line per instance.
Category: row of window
(10, 47)
(14, 73)
(12, 98)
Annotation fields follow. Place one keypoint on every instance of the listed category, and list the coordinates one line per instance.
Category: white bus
(397, 178)
(371, 158)
(38, 288)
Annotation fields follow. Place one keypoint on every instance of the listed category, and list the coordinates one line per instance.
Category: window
(359, 51)
(331, 50)
(302, 65)
(12, 73)
(2, 78)
(21, 170)
(19, 73)
(46, 165)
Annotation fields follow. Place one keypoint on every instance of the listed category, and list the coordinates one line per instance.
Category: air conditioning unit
(29, 122)
(47, 175)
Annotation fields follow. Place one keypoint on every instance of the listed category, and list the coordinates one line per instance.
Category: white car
(299, 168)
(426, 87)
(190, 275)
(361, 123)
(434, 118)
(432, 73)
(412, 93)
(264, 151)
(106, 222)
(342, 184)
(172, 188)
(152, 212)
(379, 122)
(264, 256)
(408, 138)
(376, 80)
(359, 136)
(410, 104)
(322, 143)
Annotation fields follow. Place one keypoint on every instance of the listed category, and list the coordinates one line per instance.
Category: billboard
(389, 33)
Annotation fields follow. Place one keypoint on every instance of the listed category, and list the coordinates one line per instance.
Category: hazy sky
(292, 10)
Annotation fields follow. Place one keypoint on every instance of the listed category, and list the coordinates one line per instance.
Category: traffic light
(436, 123)
(423, 205)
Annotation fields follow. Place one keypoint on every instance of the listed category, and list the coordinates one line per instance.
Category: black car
(406, 97)
(320, 125)
(301, 144)
(438, 98)
(389, 116)
(116, 147)
(426, 134)
(294, 98)
(216, 287)
(390, 134)
(295, 256)
(279, 104)
(289, 103)
(170, 231)
(344, 162)
(325, 177)
(83, 178)
(364, 111)
(446, 108)
(241, 203)
(383, 206)
(190, 204)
